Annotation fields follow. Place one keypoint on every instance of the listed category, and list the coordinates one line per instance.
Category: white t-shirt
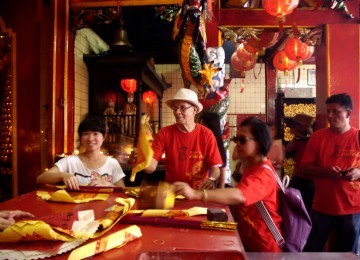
(111, 170)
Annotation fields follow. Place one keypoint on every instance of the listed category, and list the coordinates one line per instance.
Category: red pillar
(337, 68)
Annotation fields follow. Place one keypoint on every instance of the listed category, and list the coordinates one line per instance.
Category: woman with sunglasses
(257, 184)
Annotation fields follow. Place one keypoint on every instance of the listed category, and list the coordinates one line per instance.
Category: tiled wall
(81, 102)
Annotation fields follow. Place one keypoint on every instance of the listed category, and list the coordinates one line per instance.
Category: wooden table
(154, 238)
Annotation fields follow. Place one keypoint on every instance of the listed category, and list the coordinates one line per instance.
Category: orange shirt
(188, 156)
(327, 149)
(258, 183)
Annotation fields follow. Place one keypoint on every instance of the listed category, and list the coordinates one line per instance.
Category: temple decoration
(149, 97)
(128, 85)
(189, 33)
(240, 35)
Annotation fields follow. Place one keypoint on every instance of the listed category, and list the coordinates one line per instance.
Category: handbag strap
(266, 215)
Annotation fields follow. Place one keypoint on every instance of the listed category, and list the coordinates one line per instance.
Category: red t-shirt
(188, 156)
(327, 149)
(258, 183)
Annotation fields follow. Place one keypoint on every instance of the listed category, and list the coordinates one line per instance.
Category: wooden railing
(119, 126)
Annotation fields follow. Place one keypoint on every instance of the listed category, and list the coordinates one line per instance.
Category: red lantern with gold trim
(283, 63)
(128, 85)
(296, 50)
(149, 96)
(280, 8)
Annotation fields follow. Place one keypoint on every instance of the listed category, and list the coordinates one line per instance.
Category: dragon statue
(189, 34)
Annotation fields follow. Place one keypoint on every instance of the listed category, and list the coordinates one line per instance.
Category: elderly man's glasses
(182, 108)
(242, 139)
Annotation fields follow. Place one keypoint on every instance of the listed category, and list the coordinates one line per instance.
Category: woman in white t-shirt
(89, 168)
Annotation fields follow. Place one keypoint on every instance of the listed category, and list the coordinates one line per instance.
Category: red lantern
(128, 85)
(309, 52)
(149, 97)
(242, 60)
(242, 65)
(296, 50)
(265, 40)
(252, 49)
(280, 8)
(283, 63)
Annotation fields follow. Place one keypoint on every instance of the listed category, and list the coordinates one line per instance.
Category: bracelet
(205, 195)
(212, 179)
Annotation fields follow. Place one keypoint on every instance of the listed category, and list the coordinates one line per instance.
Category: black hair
(343, 99)
(260, 131)
(92, 123)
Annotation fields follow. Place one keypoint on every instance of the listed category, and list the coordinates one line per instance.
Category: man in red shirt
(331, 159)
(191, 151)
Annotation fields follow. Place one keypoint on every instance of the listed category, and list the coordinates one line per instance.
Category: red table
(154, 238)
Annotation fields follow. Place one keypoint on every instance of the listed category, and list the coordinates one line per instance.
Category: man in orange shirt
(331, 159)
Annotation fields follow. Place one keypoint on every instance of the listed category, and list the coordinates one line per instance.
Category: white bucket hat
(187, 95)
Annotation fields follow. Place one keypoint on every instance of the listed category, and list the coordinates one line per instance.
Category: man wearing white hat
(191, 151)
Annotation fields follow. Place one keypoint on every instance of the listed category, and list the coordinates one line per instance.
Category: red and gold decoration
(149, 97)
(128, 85)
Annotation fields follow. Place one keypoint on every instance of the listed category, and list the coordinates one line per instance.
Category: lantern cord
(256, 76)
(298, 77)
(295, 30)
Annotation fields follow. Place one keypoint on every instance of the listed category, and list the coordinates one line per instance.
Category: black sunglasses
(242, 139)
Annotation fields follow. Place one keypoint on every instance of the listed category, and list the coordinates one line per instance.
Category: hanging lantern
(296, 50)
(149, 96)
(251, 49)
(309, 52)
(265, 40)
(280, 8)
(242, 61)
(128, 85)
(283, 63)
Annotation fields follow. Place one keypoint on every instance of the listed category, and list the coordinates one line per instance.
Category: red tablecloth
(154, 238)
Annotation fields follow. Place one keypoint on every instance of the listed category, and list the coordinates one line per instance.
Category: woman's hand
(70, 181)
(101, 182)
(182, 188)
(8, 217)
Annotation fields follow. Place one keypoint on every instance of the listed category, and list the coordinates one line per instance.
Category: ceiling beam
(302, 17)
(103, 3)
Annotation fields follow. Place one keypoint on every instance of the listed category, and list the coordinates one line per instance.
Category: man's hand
(209, 184)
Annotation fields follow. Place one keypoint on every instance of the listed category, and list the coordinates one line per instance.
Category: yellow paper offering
(145, 152)
(64, 196)
(115, 240)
